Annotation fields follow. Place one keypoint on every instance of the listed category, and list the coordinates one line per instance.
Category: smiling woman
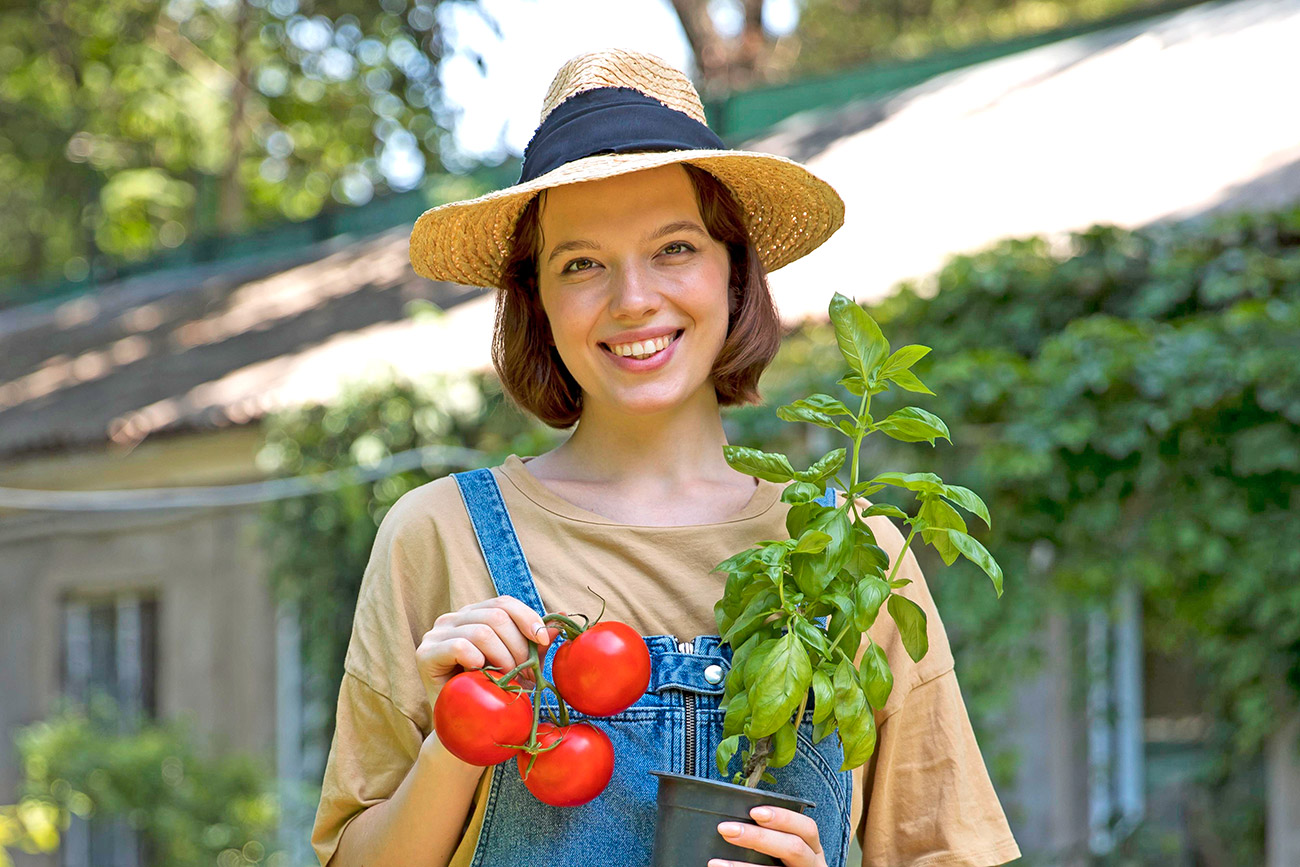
(631, 258)
(679, 222)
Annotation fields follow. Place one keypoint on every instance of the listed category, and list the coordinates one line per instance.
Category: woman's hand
(781, 833)
(494, 633)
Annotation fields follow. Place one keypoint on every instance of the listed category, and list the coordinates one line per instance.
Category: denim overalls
(676, 726)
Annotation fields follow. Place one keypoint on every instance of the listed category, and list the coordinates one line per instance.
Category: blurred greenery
(836, 34)
(130, 126)
(190, 808)
(318, 545)
(1130, 400)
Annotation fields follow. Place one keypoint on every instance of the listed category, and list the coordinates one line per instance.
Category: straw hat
(609, 113)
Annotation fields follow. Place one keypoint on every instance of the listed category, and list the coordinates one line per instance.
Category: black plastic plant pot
(690, 808)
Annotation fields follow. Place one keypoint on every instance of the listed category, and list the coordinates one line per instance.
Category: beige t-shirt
(926, 794)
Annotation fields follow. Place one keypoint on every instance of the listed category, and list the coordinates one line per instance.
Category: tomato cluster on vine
(485, 718)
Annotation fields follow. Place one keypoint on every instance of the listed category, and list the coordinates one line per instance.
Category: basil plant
(794, 611)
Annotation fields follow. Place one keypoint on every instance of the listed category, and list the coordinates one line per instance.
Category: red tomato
(473, 717)
(604, 670)
(574, 772)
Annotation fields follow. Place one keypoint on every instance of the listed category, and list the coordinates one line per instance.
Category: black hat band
(611, 120)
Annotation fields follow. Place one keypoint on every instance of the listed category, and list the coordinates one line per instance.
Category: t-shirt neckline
(766, 494)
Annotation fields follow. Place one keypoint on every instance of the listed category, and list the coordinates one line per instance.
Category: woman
(631, 258)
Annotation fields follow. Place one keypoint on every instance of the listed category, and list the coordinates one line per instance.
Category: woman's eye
(683, 245)
(582, 265)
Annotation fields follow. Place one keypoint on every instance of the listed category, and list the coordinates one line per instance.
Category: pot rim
(721, 784)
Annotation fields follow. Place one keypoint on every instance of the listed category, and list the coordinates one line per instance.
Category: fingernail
(540, 631)
(729, 829)
(762, 814)
(716, 863)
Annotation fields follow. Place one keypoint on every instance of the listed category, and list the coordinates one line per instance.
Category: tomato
(604, 670)
(572, 773)
(473, 717)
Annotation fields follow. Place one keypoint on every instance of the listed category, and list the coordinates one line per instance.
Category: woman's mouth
(642, 350)
(651, 355)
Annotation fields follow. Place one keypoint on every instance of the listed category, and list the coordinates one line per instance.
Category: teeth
(642, 349)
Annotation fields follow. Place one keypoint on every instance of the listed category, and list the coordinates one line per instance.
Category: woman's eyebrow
(571, 245)
(667, 229)
(679, 226)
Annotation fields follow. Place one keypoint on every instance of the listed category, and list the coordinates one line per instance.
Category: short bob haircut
(530, 367)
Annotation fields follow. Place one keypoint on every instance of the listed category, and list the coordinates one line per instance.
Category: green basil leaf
(967, 499)
(812, 636)
(812, 542)
(822, 729)
(885, 509)
(875, 676)
(908, 380)
(726, 750)
(766, 465)
(868, 595)
(781, 686)
(858, 737)
(979, 555)
(928, 482)
(940, 516)
(853, 384)
(800, 517)
(804, 414)
(861, 342)
(737, 716)
(801, 492)
(911, 625)
(903, 358)
(825, 466)
(823, 695)
(912, 424)
(784, 742)
(758, 610)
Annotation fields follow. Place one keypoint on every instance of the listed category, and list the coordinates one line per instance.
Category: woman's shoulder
(433, 507)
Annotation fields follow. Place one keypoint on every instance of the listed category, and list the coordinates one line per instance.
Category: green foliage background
(1131, 402)
(317, 546)
(194, 810)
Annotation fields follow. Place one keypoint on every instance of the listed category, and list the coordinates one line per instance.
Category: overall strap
(497, 538)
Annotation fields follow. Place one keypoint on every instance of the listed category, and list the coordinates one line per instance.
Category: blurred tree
(127, 126)
(836, 34)
(191, 808)
(318, 545)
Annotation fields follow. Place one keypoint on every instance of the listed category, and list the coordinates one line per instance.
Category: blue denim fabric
(676, 726)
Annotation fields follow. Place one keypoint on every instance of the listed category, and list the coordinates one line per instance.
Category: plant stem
(757, 763)
(899, 559)
(850, 500)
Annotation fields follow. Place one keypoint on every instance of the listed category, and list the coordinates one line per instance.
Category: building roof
(1163, 119)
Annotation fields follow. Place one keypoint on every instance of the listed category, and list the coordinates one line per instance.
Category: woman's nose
(633, 293)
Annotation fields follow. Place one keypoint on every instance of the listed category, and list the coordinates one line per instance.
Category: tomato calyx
(570, 627)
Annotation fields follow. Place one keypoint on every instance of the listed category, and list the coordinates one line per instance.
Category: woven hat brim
(788, 210)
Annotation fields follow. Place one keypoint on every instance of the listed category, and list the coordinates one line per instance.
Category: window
(109, 648)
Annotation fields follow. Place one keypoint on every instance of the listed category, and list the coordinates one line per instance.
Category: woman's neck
(645, 455)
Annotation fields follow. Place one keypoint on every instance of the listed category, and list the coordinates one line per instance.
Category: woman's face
(623, 260)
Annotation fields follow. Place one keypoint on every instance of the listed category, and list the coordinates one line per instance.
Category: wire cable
(143, 499)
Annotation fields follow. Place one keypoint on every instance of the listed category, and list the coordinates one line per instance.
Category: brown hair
(530, 367)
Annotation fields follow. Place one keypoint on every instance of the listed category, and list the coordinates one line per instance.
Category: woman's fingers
(526, 621)
(784, 834)
(495, 633)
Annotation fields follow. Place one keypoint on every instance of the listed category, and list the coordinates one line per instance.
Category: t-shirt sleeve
(929, 801)
(383, 713)
(374, 747)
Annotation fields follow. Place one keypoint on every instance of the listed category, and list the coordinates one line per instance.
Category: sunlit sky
(500, 105)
